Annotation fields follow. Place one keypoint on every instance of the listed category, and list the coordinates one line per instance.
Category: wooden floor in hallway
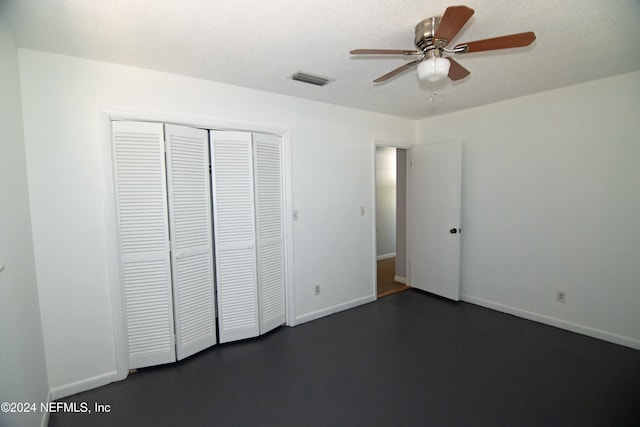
(386, 284)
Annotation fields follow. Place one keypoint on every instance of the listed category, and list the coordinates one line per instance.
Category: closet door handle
(179, 255)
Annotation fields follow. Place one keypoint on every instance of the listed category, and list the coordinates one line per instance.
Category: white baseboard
(45, 415)
(400, 279)
(553, 321)
(385, 256)
(334, 309)
(83, 385)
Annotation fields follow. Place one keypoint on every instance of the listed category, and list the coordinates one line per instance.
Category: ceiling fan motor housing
(425, 31)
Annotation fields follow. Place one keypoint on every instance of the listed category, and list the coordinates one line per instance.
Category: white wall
(551, 201)
(332, 177)
(23, 374)
(385, 201)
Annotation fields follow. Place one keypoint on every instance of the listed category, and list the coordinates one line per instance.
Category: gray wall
(385, 201)
(23, 374)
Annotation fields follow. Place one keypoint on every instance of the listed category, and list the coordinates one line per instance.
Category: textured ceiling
(260, 44)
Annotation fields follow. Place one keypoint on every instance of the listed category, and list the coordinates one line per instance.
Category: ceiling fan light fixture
(432, 36)
(433, 69)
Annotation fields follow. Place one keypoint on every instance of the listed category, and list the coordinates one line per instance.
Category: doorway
(391, 219)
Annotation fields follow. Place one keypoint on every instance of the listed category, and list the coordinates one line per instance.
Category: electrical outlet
(561, 296)
(317, 289)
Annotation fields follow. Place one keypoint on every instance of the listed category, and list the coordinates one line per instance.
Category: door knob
(455, 230)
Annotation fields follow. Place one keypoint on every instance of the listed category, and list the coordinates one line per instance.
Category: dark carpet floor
(410, 359)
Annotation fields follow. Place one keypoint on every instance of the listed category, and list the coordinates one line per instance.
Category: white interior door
(267, 155)
(234, 234)
(435, 211)
(191, 238)
(143, 239)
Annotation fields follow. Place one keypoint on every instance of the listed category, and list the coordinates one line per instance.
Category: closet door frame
(105, 116)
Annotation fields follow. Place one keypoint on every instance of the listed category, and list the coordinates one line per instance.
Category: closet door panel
(270, 230)
(234, 233)
(143, 239)
(191, 238)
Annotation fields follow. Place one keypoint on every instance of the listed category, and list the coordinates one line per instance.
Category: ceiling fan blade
(504, 42)
(457, 71)
(397, 71)
(383, 52)
(452, 21)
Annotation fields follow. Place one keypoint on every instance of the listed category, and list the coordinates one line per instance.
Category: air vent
(310, 78)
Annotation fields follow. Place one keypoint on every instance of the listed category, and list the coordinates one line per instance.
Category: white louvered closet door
(143, 238)
(234, 233)
(191, 238)
(267, 150)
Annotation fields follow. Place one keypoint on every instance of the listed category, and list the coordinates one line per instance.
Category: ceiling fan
(433, 35)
